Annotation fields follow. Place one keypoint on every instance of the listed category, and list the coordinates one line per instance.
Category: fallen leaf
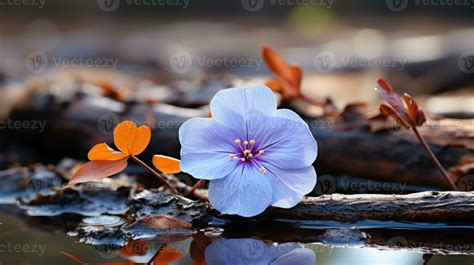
(289, 77)
(166, 164)
(131, 140)
(96, 170)
(164, 222)
(104, 152)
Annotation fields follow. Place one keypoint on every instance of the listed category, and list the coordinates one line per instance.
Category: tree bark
(416, 207)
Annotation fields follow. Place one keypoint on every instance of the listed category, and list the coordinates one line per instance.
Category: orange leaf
(166, 164)
(166, 256)
(389, 112)
(104, 152)
(385, 85)
(131, 140)
(96, 170)
(415, 113)
(290, 76)
(280, 67)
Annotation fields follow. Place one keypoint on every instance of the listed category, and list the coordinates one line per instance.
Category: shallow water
(36, 240)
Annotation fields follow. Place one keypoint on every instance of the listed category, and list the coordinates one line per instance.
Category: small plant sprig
(131, 141)
(408, 115)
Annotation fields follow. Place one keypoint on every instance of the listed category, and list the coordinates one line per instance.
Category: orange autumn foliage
(105, 161)
(287, 79)
(166, 164)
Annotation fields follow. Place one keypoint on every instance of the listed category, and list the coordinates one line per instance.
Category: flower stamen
(247, 153)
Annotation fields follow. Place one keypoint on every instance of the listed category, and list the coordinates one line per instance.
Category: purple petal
(286, 139)
(290, 185)
(204, 135)
(207, 165)
(206, 145)
(245, 191)
(233, 106)
(238, 251)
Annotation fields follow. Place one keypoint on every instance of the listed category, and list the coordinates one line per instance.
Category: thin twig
(156, 174)
(197, 186)
(435, 160)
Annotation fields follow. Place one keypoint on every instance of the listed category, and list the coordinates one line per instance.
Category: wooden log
(415, 207)
(75, 125)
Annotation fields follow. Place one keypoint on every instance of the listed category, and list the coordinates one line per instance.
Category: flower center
(248, 153)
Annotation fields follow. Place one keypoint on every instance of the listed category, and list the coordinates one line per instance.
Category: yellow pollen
(246, 151)
(237, 141)
(263, 170)
(242, 159)
(252, 142)
(261, 152)
(250, 155)
(246, 142)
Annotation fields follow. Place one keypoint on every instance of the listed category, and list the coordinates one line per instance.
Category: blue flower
(250, 251)
(253, 154)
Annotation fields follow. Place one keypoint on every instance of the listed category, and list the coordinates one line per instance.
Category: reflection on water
(43, 241)
(251, 251)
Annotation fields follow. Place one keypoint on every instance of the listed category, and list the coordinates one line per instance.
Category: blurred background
(422, 47)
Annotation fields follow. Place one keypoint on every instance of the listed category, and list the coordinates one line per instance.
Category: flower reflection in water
(252, 252)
